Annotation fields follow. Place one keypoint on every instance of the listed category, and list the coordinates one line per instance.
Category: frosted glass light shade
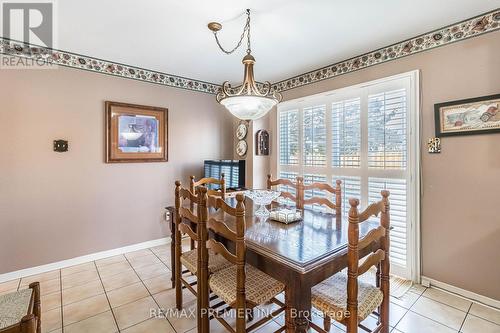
(248, 107)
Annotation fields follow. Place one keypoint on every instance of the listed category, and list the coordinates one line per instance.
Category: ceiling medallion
(247, 101)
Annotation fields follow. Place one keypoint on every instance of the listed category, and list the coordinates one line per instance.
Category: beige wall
(55, 206)
(460, 186)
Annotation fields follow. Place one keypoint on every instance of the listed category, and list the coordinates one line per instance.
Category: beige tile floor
(116, 294)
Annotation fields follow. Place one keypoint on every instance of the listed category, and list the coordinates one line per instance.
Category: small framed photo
(136, 133)
(468, 116)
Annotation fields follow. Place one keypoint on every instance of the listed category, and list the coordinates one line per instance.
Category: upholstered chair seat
(14, 306)
(259, 287)
(216, 262)
(330, 296)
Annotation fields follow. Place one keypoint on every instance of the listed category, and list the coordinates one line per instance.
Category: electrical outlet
(60, 146)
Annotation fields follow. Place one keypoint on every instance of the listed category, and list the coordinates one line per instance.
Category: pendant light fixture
(250, 100)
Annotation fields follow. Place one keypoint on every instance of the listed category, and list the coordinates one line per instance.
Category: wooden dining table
(299, 254)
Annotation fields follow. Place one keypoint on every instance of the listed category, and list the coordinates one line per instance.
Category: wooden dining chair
(221, 192)
(320, 200)
(240, 286)
(20, 311)
(210, 181)
(284, 182)
(345, 298)
(187, 217)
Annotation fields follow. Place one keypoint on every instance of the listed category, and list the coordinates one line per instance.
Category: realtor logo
(31, 23)
(27, 24)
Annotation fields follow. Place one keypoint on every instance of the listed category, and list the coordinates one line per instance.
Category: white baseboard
(461, 292)
(81, 260)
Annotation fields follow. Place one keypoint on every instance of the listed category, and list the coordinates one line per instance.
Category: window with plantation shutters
(367, 137)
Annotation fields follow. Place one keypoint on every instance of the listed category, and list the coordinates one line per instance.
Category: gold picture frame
(135, 133)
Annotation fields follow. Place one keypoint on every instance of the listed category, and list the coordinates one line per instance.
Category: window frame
(412, 171)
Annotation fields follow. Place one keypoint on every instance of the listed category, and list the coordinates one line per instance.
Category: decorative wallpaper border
(62, 58)
(472, 27)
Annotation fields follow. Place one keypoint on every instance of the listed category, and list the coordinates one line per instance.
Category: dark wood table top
(301, 246)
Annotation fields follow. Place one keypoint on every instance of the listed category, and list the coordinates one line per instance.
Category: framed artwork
(468, 116)
(136, 133)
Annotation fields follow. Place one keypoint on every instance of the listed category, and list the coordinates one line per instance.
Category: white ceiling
(289, 37)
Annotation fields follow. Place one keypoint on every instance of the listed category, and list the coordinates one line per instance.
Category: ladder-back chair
(210, 181)
(193, 185)
(240, 286)
(187, 217)
(345, 298)
(284, 182)
(337, 192)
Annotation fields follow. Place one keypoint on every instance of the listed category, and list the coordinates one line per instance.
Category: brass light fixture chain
(249, 49)
(246, 30)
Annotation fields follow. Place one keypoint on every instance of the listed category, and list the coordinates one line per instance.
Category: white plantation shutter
(360, 135)
(314, 149)
(289, 137)
(346, 133)
(351, 188)
(387, 130)
(398, 213)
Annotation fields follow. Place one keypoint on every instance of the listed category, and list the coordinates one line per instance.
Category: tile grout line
(149, 292)
(107, 298)
(443, 324)
(451, 306)
(406, 311)
(466, 313)
(409, 308)
(465, 318)
(419, 314)
(95, 315)
(157, 256)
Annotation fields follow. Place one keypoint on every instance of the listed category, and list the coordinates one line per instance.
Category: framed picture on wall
(468, 116)
(136, 133)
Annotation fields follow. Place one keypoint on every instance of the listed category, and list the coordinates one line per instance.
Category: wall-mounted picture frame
(135, 133)
(478, 115)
